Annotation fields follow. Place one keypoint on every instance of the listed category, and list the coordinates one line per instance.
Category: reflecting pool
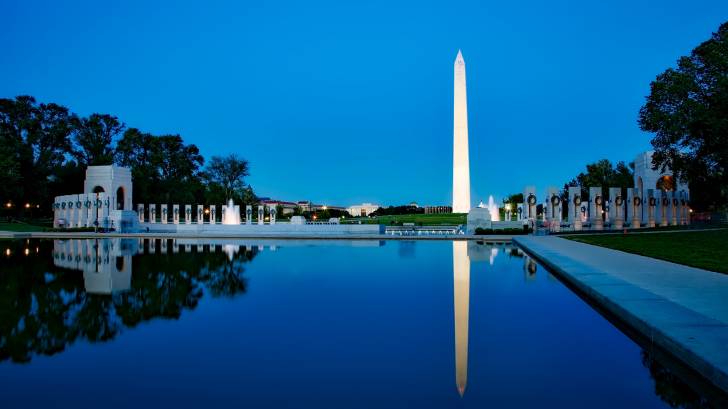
(307, 324)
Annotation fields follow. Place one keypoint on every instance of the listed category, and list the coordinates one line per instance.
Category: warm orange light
(207, 211)
(325, 207)
(27, 251)
(27, 205)
(7, 252)
(8, 204)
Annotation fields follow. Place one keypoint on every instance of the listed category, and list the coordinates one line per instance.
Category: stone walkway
(682, 309)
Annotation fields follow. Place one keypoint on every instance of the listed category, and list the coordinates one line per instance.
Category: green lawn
(425, 219)
(703, 249)
(19, 227)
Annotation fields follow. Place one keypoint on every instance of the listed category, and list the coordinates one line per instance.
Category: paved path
(682, 309)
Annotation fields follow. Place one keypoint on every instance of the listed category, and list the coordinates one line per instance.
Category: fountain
(232, 214)
(493, 209)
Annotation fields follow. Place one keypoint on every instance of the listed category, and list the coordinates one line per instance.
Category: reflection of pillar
(529, 268)
(461, 282)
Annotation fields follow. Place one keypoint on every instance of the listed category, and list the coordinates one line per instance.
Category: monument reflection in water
(214, 318)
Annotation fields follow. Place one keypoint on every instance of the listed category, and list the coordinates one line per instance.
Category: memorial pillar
(140, 212)
(575, 207)
(152, 213)
(165, 209)
(674, 209)
(213, 219)
(651, 205)
(529, 195)
(261, 213)
(596, 201)
(248, 214)
(200, 214)
(664, 203)
(175, 213)
(272, 212)
(188, 214)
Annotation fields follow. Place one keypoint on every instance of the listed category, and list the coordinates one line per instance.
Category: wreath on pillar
(583, 209)
(531, 199)
(555, 200)
(107, 202)
(674, 201)
(653, 201)
(520, 210)
(70, 204)
(637, 201)
(78, 204)
(88, 203)
(665, 201)
(682, 202)
(618, 200)
(577, 200)
(63, 205)
(598, 200)
(188, 211)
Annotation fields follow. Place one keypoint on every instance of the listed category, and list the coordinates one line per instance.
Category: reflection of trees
(44, 308)
(670, 388)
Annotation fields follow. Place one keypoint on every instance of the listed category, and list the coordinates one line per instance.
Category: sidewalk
(682, 309)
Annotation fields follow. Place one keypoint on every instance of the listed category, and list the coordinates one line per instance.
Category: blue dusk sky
(346, 102)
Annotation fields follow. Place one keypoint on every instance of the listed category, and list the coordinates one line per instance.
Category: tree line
(45, 150)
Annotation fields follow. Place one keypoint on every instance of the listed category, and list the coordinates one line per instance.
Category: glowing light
(207, 211)
(325, 207)
(27, 205)
(7, 252)
(27, 251)
(8, 205)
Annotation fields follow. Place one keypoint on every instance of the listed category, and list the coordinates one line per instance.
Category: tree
(229, 172)
(34, 140)
(93, 137)
(604, 174)
(164, 168)
(687, 110)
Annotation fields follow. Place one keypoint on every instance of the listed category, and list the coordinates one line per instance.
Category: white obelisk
(460, 156)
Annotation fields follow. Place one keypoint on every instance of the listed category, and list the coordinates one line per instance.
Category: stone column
(674, 208)
(213, 220)
(664, 203)
(635, 207)
(188, 214)
(175, 214)
(261, 213)
(200, 214)
(140, 212)
(575, 207)
(554, 208)
(165, 213)
(683, 208)
(651, 205)
(529, 195)
(596, 201)
(616, 208)
(272, 212)
(152, 213)
(248, 214)
(222, 214)
(519, 211)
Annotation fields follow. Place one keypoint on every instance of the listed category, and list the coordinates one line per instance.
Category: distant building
(414, 204)
(438, 209)
(364, 209)
(288, 207)
(647, 178)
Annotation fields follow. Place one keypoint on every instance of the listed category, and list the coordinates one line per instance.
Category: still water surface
(175, 323)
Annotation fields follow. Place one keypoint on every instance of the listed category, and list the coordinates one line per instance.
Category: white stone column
(651, 205)
(674, 208)
(261, 214)
(575, 207)
(634, 206)
(616, 208)
(529, 196)
(140, 212)
(165, 213)
(175, 213)
(222, 214)
(152, 213)
(272, 213)
(248, 214)
(596, 201)
(213, 219)
(188, 214)
(200, 214)
(664, 203)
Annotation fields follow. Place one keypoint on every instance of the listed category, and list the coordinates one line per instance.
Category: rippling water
(182, 323)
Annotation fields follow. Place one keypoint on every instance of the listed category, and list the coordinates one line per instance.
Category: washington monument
(460, 157)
